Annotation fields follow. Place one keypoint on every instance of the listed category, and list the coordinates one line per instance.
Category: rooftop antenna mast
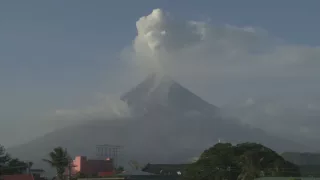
(109, 151)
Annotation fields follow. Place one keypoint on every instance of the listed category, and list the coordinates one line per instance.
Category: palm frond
(49, 162)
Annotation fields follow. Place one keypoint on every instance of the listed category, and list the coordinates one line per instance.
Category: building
(37, 174)
(89, 167)
(17, 177)
(32, 174)
(165, 169)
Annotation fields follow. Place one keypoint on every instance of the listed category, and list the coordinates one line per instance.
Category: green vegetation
(119, 169)
(245, 161)
(59, 159)
(9, 165)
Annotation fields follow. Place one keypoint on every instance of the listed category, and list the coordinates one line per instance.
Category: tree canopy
(9, 165)
(244, 161)
(59, 159)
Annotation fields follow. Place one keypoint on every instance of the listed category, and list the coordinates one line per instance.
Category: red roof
(18, 177)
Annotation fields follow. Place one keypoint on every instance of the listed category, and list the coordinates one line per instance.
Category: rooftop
(18, 177)
(164, 168)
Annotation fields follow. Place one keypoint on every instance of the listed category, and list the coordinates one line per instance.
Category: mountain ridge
(161, 90)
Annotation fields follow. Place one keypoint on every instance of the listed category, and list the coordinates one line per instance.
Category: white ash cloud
(106, 107)
(178, 46)
(160, 31)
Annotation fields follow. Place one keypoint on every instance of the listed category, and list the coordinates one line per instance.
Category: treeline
(10, 165)
(246, 161)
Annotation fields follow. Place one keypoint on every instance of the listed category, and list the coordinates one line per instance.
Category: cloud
(106, 107)
(159, 31)
(187, 47)
(295, 120)
(249, 102)
(313, 107)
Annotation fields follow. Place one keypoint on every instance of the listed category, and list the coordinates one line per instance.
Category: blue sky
(58, 54)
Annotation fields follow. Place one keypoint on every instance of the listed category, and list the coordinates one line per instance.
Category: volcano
(169, 124)
(159, 92)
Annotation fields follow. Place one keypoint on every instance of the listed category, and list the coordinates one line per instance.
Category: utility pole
(29, 164)
(28, 168)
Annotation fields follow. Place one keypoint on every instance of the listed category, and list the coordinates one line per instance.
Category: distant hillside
(309, 162)
(310, 170)
(302, 158)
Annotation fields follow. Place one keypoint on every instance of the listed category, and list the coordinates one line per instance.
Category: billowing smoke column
(162, 41)
(160, 31)
(166, 43)
(160, 35)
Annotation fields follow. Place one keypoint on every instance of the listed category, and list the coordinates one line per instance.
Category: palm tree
(59, 159)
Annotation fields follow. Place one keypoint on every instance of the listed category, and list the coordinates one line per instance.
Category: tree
(119, 169)
(259, 160)
(250, 163)
(244, 161)
(80, 175)
(218, 163)
(10, 165)
(59, 159)
(4, 159)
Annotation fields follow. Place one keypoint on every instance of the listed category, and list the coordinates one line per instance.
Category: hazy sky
(64, 54)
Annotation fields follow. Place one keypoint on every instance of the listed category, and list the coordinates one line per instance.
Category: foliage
(80, 175)
(59, 159)
(214, 163)
(9, 165)
(119, 169)
(244, 161)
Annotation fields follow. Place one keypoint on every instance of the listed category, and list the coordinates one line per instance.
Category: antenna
(109, 151)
